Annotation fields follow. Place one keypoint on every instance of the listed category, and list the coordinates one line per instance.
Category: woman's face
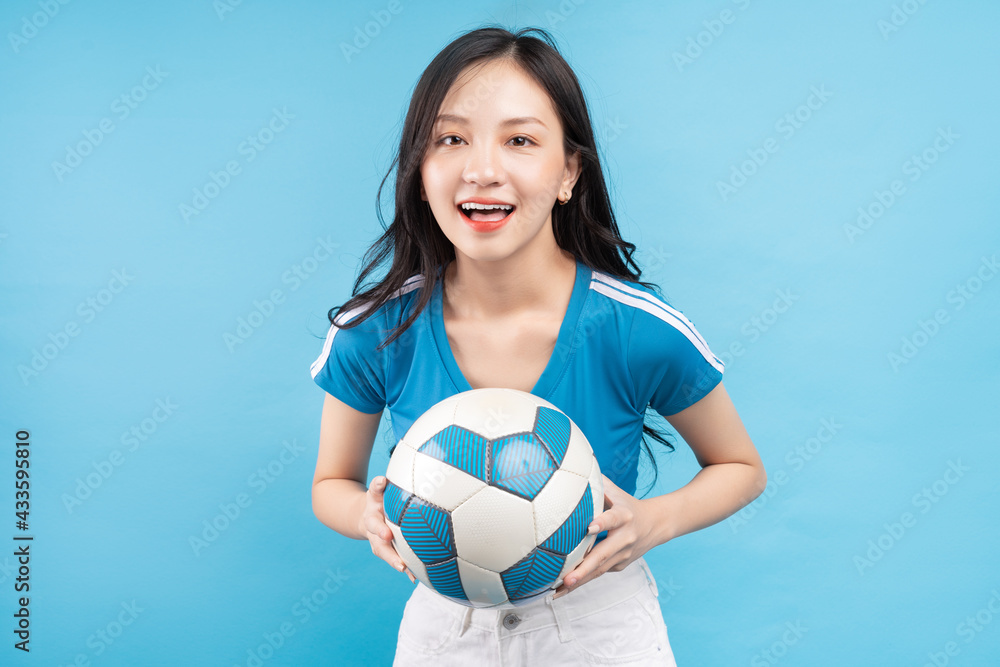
(496, 137)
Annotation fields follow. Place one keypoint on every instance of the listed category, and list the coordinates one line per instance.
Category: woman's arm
(339, 496)
(732, 473)
(346, 437)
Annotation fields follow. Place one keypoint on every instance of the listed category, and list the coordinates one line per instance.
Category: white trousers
(614, 619)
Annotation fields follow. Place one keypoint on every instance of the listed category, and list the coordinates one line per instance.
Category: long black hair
(585, 226)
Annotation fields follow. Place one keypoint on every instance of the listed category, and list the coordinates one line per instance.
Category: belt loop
(465, 622)
(565, 631)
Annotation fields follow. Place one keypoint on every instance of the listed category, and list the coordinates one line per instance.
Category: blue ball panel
(569, 535)
(459, 447)
(553, 428)
(427, 529)
(446, 580)
(534, 574)
(521, 465)
(393, 501)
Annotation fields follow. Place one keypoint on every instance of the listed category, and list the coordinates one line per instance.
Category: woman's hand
(629, 522)
(373, 525)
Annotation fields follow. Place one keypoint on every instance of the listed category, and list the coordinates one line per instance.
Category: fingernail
(400, 567)
(593, 529)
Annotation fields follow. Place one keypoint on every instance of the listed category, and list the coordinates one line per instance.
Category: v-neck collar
(557, 360)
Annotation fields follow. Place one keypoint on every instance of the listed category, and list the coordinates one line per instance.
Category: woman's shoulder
(399, 303)
(629, 292)
(655, 320)
(369, 325)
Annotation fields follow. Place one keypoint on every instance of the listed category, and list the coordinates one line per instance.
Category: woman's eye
(520, 141)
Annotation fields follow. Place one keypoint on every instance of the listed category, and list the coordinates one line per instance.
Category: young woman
(508, 270)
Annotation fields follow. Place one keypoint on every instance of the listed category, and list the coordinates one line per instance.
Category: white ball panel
(441, 484)
(495, 412)
(494, 529)
(483, 587)
(437, 417)
(579, 456)
(400, 468)
(575, 557)
(406, 553)
(556, 501)
(597, 488)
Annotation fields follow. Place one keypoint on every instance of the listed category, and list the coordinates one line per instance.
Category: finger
(585, 577)
(560, 590)
(378, 486)
(607, 520)
(377, 528)
(389, 555)
(568, 583)
(586, 569)
(377, 490)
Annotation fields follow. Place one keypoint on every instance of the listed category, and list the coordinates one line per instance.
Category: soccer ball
(489, 497)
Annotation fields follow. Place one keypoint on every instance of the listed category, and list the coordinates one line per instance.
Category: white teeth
(486, 207)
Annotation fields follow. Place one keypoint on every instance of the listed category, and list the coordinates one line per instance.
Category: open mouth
(486, 213)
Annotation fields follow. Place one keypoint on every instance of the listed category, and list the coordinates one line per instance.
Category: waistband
(605, 591)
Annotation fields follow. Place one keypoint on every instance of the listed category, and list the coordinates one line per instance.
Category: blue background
(670, 131)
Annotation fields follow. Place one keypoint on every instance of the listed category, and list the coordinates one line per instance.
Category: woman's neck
(483, 290)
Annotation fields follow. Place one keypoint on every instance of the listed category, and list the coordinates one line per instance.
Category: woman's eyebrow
(462, 120)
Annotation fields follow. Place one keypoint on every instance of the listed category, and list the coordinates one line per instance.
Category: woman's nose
(483, 166)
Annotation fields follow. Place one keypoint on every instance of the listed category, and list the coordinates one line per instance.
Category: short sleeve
(349, 367)
(672, 366)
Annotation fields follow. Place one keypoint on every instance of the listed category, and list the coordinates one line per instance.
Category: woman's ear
(573, 170)
(423, 195)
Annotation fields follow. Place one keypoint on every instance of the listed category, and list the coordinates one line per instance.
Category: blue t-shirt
(620, 348)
